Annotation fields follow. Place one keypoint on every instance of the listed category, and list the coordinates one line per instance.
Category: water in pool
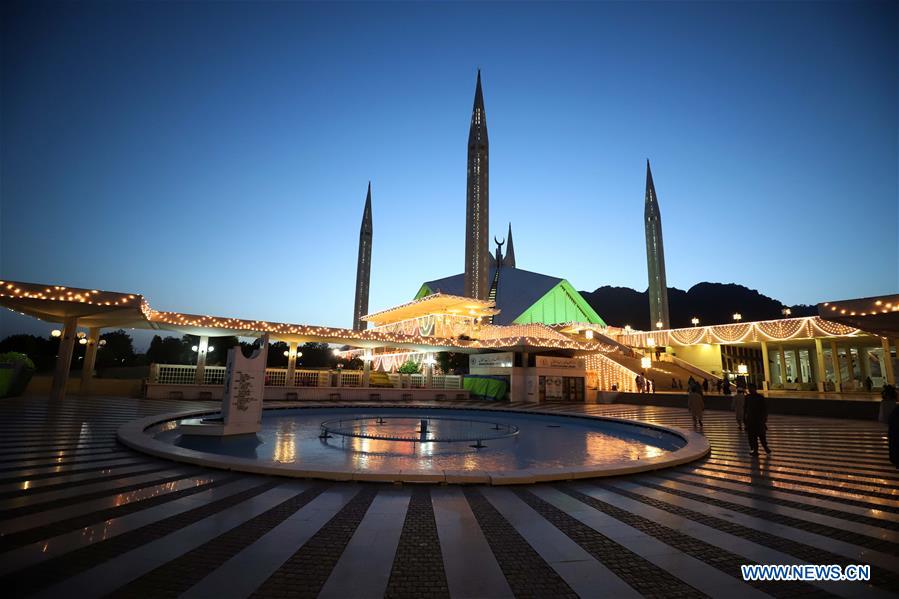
(376, 439)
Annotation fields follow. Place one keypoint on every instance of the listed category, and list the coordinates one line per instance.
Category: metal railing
(185, 374)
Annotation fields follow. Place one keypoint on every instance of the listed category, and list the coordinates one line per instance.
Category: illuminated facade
(477, 204)
(524, 297)
(363, 266)
(655, 257)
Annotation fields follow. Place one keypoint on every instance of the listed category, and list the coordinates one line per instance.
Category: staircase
(660, 373)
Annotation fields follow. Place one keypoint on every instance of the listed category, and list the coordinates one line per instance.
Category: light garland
(443, 331)
(806, 327)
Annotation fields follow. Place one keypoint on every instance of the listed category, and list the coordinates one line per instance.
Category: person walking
(739, 404)
(695, 404)
(755, 416)
(705, 385)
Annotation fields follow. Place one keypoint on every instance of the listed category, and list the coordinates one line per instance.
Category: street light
(645, 362)
(56, 333)
(695, 321)
(786, 311)
(737, 316)
(659, 324)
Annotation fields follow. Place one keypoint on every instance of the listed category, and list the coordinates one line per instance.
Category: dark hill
(712, 303)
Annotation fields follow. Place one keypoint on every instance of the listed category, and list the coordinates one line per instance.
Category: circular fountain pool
(424, 444)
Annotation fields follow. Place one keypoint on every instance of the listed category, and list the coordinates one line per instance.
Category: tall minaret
(655, 257)
(477, 206)
(363, 267)
(509, 258)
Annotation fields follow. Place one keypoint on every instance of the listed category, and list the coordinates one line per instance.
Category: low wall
(214, 392)
(40, 385)
(792, 406)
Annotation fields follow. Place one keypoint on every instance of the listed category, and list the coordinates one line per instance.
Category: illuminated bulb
(82, 341)
(56, 332)
(194, 348)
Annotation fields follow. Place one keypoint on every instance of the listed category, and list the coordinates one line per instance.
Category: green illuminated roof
(524, 297)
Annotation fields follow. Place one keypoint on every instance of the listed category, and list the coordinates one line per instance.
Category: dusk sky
(214, 156)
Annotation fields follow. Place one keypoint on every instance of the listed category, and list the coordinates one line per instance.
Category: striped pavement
(82, 516)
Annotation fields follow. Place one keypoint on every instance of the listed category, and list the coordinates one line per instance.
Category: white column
(90, 358)
(865, 362)
(202, 348)
(429, 371)
(64, 358)
(850, 366)
(291, 364)
(783, 365)
(888, 361)
(366, 369)
(766, 366)
(820, 372)
(797, 362)
(835, 362)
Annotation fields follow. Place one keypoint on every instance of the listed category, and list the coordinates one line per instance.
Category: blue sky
(214, 156)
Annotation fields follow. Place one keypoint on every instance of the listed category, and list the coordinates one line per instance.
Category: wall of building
(706, 356)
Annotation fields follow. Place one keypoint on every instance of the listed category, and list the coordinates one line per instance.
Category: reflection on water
(544, 441)
(285, 442)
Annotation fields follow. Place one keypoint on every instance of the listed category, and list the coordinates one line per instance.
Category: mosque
(529, 336)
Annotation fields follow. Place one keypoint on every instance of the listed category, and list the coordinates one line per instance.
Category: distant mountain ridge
(712, 303)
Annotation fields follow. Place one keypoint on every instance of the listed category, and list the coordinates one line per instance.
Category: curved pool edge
(133, 435)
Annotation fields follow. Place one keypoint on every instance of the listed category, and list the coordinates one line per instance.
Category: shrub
(409, 367)
(14, 357)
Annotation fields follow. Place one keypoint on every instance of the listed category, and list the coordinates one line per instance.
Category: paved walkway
(81, 516)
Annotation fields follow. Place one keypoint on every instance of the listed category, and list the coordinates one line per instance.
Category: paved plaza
(82, 516)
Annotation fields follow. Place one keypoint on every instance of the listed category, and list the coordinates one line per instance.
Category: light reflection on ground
(544, 441)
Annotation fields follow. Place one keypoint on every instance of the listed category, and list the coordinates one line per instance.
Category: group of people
(645, 384)
(749, 408)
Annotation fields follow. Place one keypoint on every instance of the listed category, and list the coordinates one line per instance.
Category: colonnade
(812, 365)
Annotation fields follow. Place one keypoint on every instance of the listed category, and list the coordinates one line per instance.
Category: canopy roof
(878, 314)
(94, 308)
(437, 303)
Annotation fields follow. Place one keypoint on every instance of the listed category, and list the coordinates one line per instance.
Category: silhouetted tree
(452, 362)
(317, 355)
(276, 357)
(118, 350)
(170, 350)
(41, 350)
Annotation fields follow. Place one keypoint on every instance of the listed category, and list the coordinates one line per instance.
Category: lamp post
(786, 312)
(695, 321)
(645, 363)
(659, 324)
(738, 317)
